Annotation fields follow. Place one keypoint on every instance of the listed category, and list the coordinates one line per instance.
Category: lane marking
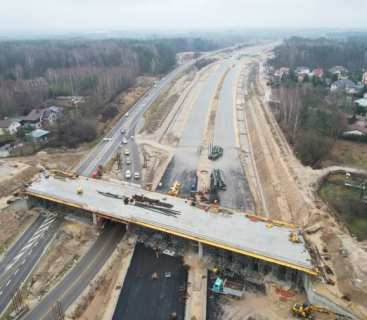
(8, 283)
(15, 272)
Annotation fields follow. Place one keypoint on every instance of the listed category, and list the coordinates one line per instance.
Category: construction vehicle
(63, 174)
(175, 189)
(227, 287)
(293, 237)
(214, 152)
(306, 310)
(216, 181)
(98, 173)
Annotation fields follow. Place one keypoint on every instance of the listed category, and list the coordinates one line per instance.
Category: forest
(33, 71)
(324, 53)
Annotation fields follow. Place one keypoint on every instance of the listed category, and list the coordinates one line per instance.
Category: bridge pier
(200, 250)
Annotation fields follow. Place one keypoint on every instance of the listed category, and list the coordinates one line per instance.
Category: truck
(98, 173)
(228, 287)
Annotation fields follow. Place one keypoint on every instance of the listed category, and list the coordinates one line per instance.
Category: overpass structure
(130, 204)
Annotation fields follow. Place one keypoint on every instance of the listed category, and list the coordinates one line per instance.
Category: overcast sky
(67, 15)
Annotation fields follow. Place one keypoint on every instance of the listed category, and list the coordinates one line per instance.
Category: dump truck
(214, 152)
(228, 287)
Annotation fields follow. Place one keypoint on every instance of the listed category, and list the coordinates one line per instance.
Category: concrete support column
(261, 268)
(200, 250)
(95, 220)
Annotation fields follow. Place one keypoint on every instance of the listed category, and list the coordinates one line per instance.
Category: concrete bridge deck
(233, 232)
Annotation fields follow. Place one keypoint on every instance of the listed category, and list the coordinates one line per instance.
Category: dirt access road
(290, 192)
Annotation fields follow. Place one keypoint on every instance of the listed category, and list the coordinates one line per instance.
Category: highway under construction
(274, 242)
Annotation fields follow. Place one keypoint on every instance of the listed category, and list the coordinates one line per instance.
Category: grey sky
(53, 15)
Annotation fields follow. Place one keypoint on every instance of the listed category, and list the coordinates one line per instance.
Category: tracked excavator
(307, 311)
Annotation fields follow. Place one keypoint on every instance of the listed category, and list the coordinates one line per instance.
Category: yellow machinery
(305, 310)
(79, 190)
(63, 174)
(293, 237)
(175, 189)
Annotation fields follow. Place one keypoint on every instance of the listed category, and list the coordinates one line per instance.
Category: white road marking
(16, 258)
(46, 223)
(34, 238)
(15, 272)
(9, 266)
(8, 282)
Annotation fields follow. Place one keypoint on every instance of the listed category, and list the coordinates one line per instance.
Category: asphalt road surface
(238, 194)
(77, 279)
(185, 160)
(106, 149)
(21, 258)
(145, 298)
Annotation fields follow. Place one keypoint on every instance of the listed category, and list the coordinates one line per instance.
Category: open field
(348, 153)
(345, 202)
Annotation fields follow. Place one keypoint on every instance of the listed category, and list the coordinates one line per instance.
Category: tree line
(32, 71)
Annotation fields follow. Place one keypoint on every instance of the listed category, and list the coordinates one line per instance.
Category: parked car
(136, 175)
(128, 161)
(107, 139)
(124, 141)
(123, 131)
(127, 174)
(126, 152)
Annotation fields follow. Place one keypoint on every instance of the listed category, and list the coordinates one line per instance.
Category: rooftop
(233, 232)
(38, 133)
(4, 124)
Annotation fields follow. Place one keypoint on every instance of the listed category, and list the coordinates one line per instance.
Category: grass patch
(348, 153)
(346, 203)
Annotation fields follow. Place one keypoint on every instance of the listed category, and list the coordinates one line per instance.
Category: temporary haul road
(233, 232)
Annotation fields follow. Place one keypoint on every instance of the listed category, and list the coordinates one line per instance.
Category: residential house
(361, 103)
(302, 71)
(340, 71)
(364, 78)
(355, 130)
(69, 101)
(33, 118)
(50, 115)
(38, 135)
(279, 73)
(345, 85)
(318, 72)
(9, 126)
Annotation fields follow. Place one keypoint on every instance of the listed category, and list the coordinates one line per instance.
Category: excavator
(63, 174)
(306, 311)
